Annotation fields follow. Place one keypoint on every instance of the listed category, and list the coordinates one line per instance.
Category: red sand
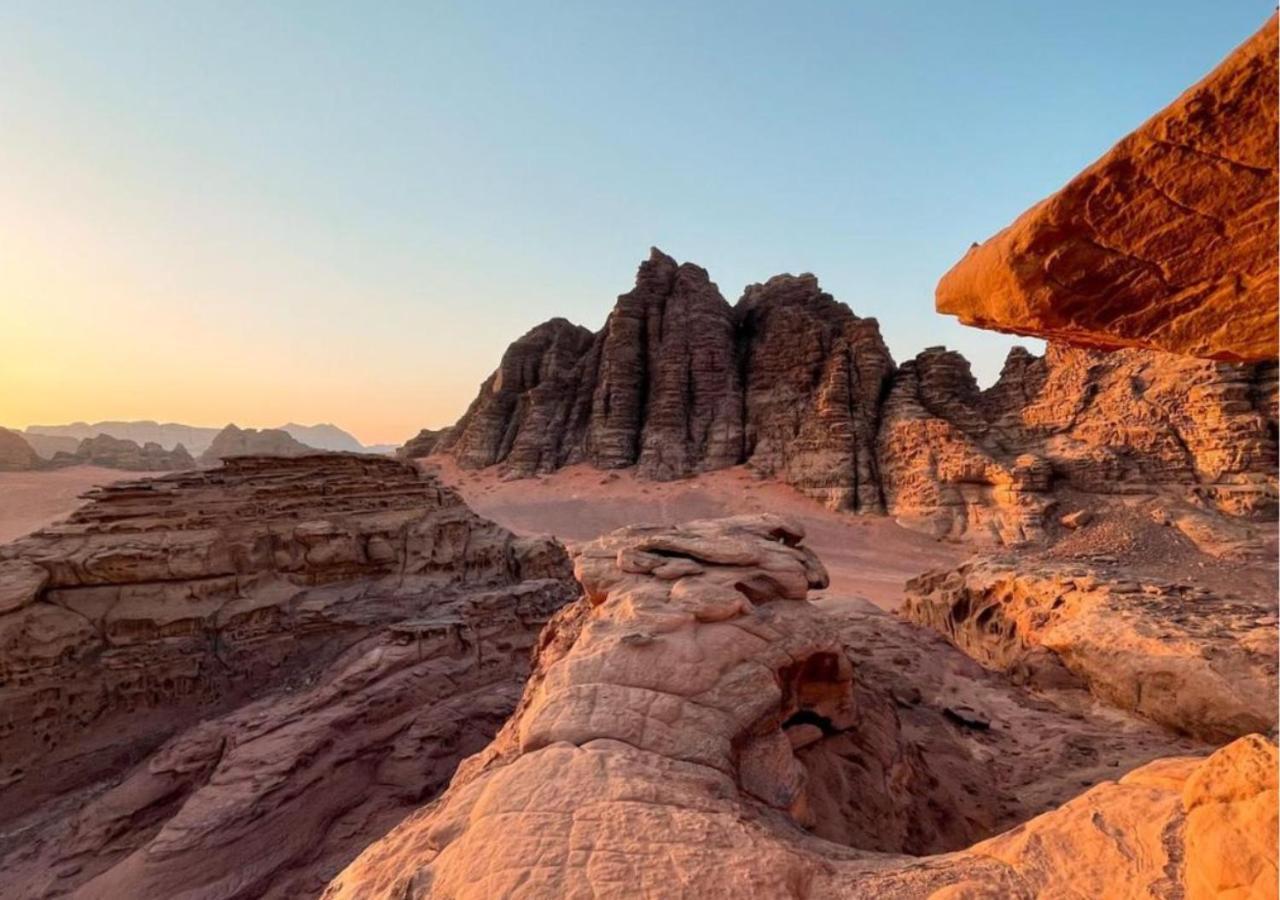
(31, 500)
(867, 556)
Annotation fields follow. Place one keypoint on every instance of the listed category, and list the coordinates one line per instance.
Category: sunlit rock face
(225, 683)
(1168, 241)
(695, 722)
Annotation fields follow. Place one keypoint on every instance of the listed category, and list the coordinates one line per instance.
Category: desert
(786, 591)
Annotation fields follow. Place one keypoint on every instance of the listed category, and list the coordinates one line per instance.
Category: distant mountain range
(49, 439)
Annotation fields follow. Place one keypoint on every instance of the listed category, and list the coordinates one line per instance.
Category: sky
(340, 212)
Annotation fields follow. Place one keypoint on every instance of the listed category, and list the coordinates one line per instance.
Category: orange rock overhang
(1169, 241)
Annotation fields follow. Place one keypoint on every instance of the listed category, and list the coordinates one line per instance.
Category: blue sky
(314, 211)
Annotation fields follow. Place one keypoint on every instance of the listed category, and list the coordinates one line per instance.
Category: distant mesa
(1168, 241)
(233, 441)
(118, 453)
(793, 384)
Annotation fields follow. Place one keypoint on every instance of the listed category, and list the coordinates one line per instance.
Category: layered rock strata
(1168, 241)
(1186, 657)
(693, 726)
(224, 683)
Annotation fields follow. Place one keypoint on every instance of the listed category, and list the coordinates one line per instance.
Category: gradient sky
(262, 212)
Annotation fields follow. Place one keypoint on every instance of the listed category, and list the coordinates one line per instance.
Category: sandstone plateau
(1168, 241)
(792, 384)
(694, 727)
(232, 441)
(225, 683)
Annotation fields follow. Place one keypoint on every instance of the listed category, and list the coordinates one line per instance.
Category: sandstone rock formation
(114, 453)
(16, 455)
(679, 382)
(693, 726)
(1186, 657)
(232, 441)
(1168, 241)
(421, 444)
(955, 459)
(48, 445)
(224, 683)
(793, 384)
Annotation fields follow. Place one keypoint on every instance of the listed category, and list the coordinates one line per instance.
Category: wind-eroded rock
(1188, 658)
(16, 455)
(1168, 241)
(794, 385)
(693, 724)
(680, 382)
(225, 683)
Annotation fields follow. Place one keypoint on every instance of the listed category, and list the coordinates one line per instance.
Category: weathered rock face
(421, 444)
(232, 441)
(795, 385)
(679, 382)
(16, 455)
(227, 682)
(956, 460)
(1185, 657)
(1168, 241)
(694, 722)
(116, 453)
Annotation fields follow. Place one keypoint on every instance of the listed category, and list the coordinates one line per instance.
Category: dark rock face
(792, 383)
(680, 382)
(254, 669)
(117, 453)
(421, 444)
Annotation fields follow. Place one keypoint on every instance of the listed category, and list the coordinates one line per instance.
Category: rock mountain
(794, 384)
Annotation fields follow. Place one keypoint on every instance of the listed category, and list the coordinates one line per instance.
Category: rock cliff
(793, 384)
(224, 683)
(1168, 241)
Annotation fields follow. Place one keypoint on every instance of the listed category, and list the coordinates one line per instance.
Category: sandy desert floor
(31, 500)
(867, 556)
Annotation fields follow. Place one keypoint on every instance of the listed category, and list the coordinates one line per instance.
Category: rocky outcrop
(421, 444)
(693, 722)
(232, 441)
(1191, 659)
(224, 683)
(49, 445)
(680, 382)
(957, 460)
(793, 384)
(16, 455)
(114, 453)
(1168, 241)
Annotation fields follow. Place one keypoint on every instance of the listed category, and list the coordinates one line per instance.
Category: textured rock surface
(680, 382)
(1168, 241)
(1196, 661)
(693, 724)
(421, 444)
(228, 681)
(233, 441)
(793, 384)
(117, 453)
(16, 455)
(1076, 424)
